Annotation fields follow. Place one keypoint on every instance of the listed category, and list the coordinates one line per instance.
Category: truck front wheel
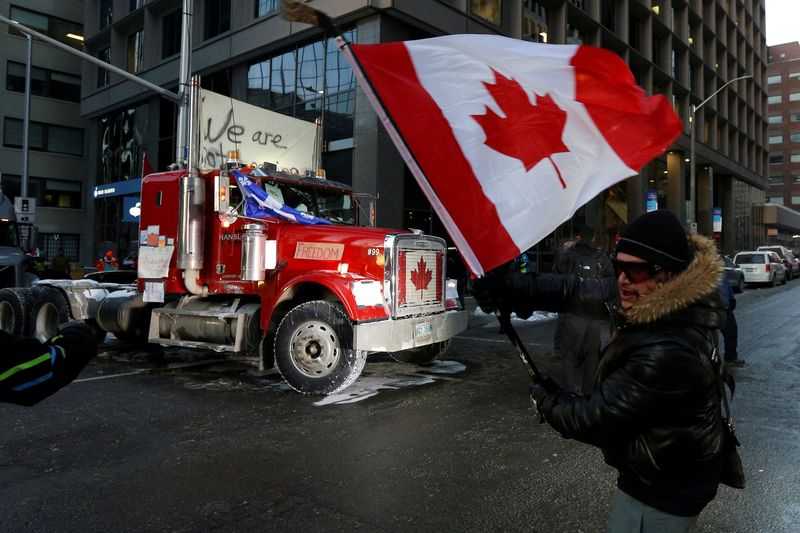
(423, 354)
(314, 349)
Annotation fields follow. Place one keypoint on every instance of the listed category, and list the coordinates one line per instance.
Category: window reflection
(488, 10)
(311, 82)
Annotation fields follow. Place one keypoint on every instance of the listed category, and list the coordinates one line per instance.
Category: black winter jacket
(655, 408)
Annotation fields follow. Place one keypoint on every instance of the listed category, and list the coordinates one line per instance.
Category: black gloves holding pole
(502, 293)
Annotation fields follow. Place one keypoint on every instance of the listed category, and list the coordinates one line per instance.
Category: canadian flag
(509, 138)
(147, 168)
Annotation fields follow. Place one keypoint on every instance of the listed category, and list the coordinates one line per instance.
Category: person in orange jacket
(107, 263)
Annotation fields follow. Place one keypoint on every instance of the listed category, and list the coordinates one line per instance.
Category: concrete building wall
(48, 171)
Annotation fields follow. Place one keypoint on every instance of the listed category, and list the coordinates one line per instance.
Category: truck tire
(50, 309)
(15, 306)
(314, 349)
(423, 354)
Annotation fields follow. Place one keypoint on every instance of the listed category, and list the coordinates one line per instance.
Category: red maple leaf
(422, 276)
(529, 132)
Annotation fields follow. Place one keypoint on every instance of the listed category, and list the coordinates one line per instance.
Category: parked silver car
(761, 267)
(790, 261)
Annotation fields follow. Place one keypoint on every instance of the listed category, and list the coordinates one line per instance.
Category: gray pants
(577, 343)
(629, 515)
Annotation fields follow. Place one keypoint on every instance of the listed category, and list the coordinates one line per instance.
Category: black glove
(732, 305)
(492, 290)
(540, 396)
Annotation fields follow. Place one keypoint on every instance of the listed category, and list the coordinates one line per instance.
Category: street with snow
(166, 439)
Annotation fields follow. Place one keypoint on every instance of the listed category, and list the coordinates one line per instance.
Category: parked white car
(761, 266)
(790, 261)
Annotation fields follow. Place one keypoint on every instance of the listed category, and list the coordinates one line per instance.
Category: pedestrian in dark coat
(577, 337)
(730, 332)
(655, 407)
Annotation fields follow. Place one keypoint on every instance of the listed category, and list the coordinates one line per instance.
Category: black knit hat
(658, 237)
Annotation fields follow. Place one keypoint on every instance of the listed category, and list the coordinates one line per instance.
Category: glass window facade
(44, 137)
(119, 150)
(48, 192)
(775, 119)
(489, 10)
(136, 51)
(44, 82)
(103, 75)
(57, 28)
(265, 7)
(310, 82)
(217, 17)
(171, 34)
(534, 22)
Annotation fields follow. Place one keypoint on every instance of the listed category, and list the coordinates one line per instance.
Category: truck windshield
(8, 233)
(330, 204)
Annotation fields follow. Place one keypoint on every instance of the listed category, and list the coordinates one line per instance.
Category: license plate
(422, 330)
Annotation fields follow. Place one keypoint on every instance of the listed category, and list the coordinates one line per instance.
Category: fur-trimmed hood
(700, 279)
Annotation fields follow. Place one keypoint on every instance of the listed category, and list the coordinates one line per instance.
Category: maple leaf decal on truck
(528, 132)
(422, 276)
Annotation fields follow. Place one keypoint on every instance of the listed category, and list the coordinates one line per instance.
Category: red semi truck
(313, 300)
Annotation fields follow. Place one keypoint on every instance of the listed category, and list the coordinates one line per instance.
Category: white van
(761, 266)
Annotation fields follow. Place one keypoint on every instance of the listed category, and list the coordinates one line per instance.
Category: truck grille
(418, 275)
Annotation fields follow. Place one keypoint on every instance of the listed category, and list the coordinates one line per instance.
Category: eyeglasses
(635, 272)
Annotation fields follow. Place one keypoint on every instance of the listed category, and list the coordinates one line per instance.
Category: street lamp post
(692, 170)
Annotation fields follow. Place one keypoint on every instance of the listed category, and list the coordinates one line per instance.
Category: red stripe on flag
(401, 278)
(423, 126)
(439, 272)
(636, 126)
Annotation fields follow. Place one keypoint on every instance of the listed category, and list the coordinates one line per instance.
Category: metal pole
(26, 121)
(91, 59)
(182, 141)
(692, 171)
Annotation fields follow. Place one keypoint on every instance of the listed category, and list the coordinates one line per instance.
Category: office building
(782, 209)
(686, 50)
(57, 154)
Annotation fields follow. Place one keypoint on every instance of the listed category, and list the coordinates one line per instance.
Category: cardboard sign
(154, 261)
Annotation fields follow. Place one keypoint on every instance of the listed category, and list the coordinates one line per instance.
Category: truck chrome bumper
(405, 333)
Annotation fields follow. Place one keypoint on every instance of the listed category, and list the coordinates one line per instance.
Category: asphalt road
(173, 440)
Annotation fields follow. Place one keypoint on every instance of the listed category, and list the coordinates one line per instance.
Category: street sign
(24, 204)
(26, 218)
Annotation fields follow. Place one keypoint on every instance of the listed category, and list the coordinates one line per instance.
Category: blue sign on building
(119, 188)
(131, 208)
(652, 200)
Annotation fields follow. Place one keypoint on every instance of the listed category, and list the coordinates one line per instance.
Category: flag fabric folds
(508, 138)
(259, 204)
